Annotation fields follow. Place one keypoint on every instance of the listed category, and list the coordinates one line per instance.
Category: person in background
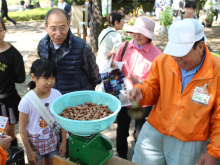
(167, 3)
(208, 5)
(158, 7)
(64, 6)
(5, 142)
(176, 8)
(73, 58)
(190, 8)
(215, 7)
(183, 83)
(4, 12)
(88, 3)
(11, 71)
(137, 59)
(108, 36)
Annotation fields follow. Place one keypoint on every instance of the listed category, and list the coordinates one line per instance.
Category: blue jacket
(70, 76)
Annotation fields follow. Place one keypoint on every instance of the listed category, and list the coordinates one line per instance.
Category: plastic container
(85, 128)
(16, 155)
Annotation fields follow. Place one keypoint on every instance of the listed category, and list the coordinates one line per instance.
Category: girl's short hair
(113, 16)
(190, 4)
(3, 24)
(41, 68)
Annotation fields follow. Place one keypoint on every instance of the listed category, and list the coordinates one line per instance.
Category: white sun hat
(182, 35)
(144, 26)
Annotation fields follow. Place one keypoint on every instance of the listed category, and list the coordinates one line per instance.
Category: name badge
(201, 95)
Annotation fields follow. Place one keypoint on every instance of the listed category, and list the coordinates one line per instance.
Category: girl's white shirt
(35, 123)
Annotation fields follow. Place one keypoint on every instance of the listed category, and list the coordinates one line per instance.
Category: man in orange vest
(184, 86)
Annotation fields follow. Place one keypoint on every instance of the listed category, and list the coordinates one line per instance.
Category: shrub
(70, 2)
(29, 15)
(166, 17)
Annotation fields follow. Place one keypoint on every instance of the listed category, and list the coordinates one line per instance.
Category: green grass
(29, 15)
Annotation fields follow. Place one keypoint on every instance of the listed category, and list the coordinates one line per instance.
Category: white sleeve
(57, 93)
(24, 105)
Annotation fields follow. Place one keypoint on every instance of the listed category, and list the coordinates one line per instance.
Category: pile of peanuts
(90, 111)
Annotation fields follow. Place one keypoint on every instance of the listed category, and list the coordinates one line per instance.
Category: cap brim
(177, 50)
(147, 33)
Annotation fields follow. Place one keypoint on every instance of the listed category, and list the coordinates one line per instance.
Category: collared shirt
(136, 45)
(89, 65)
(137, 62)
(186, 77)
(56, 54)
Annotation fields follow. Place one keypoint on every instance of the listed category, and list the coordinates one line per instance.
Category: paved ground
(25, 37)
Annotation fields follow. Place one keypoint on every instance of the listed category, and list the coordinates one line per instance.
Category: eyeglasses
(54, 30)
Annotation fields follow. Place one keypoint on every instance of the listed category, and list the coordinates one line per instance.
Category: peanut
(89, 111)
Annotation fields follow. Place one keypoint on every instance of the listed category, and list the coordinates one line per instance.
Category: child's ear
(33, 78)
(116, 22)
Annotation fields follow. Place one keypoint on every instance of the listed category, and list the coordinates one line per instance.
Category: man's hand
(62, 149)
(135, 94)
(207, 159)
(5, 142)
(134, 79)
(32, 158)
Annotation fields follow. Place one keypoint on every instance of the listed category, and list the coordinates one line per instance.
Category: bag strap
(42, 110)
(105, 36)
(124, 49)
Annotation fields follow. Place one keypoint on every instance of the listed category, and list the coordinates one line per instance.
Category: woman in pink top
(137, 59)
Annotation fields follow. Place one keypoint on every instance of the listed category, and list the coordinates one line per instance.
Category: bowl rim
(87, 121)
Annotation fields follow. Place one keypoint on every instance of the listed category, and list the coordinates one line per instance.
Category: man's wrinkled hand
(135, 94)
(207, 159)
(134, 79)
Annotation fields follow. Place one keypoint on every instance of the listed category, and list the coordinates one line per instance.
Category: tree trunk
(198, 8)
(37, 4)
(96, 24)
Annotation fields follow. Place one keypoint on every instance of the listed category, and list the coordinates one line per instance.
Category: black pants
(175, 13)
(123, 121)
(216, 14)
(3, 14)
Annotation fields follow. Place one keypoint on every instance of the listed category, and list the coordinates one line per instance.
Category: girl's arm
(62, 148)
(32, 156)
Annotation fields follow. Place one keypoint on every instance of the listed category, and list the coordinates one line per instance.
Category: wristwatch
(140, 82)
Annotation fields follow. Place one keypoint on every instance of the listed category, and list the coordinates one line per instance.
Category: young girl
(39, 139)
(11, 72)
(190, 8)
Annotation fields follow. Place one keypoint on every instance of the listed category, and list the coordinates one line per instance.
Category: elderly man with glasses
(75, 62)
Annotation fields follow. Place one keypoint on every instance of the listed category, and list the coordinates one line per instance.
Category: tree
(198, 7)
(96, 24)
(35, 3)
